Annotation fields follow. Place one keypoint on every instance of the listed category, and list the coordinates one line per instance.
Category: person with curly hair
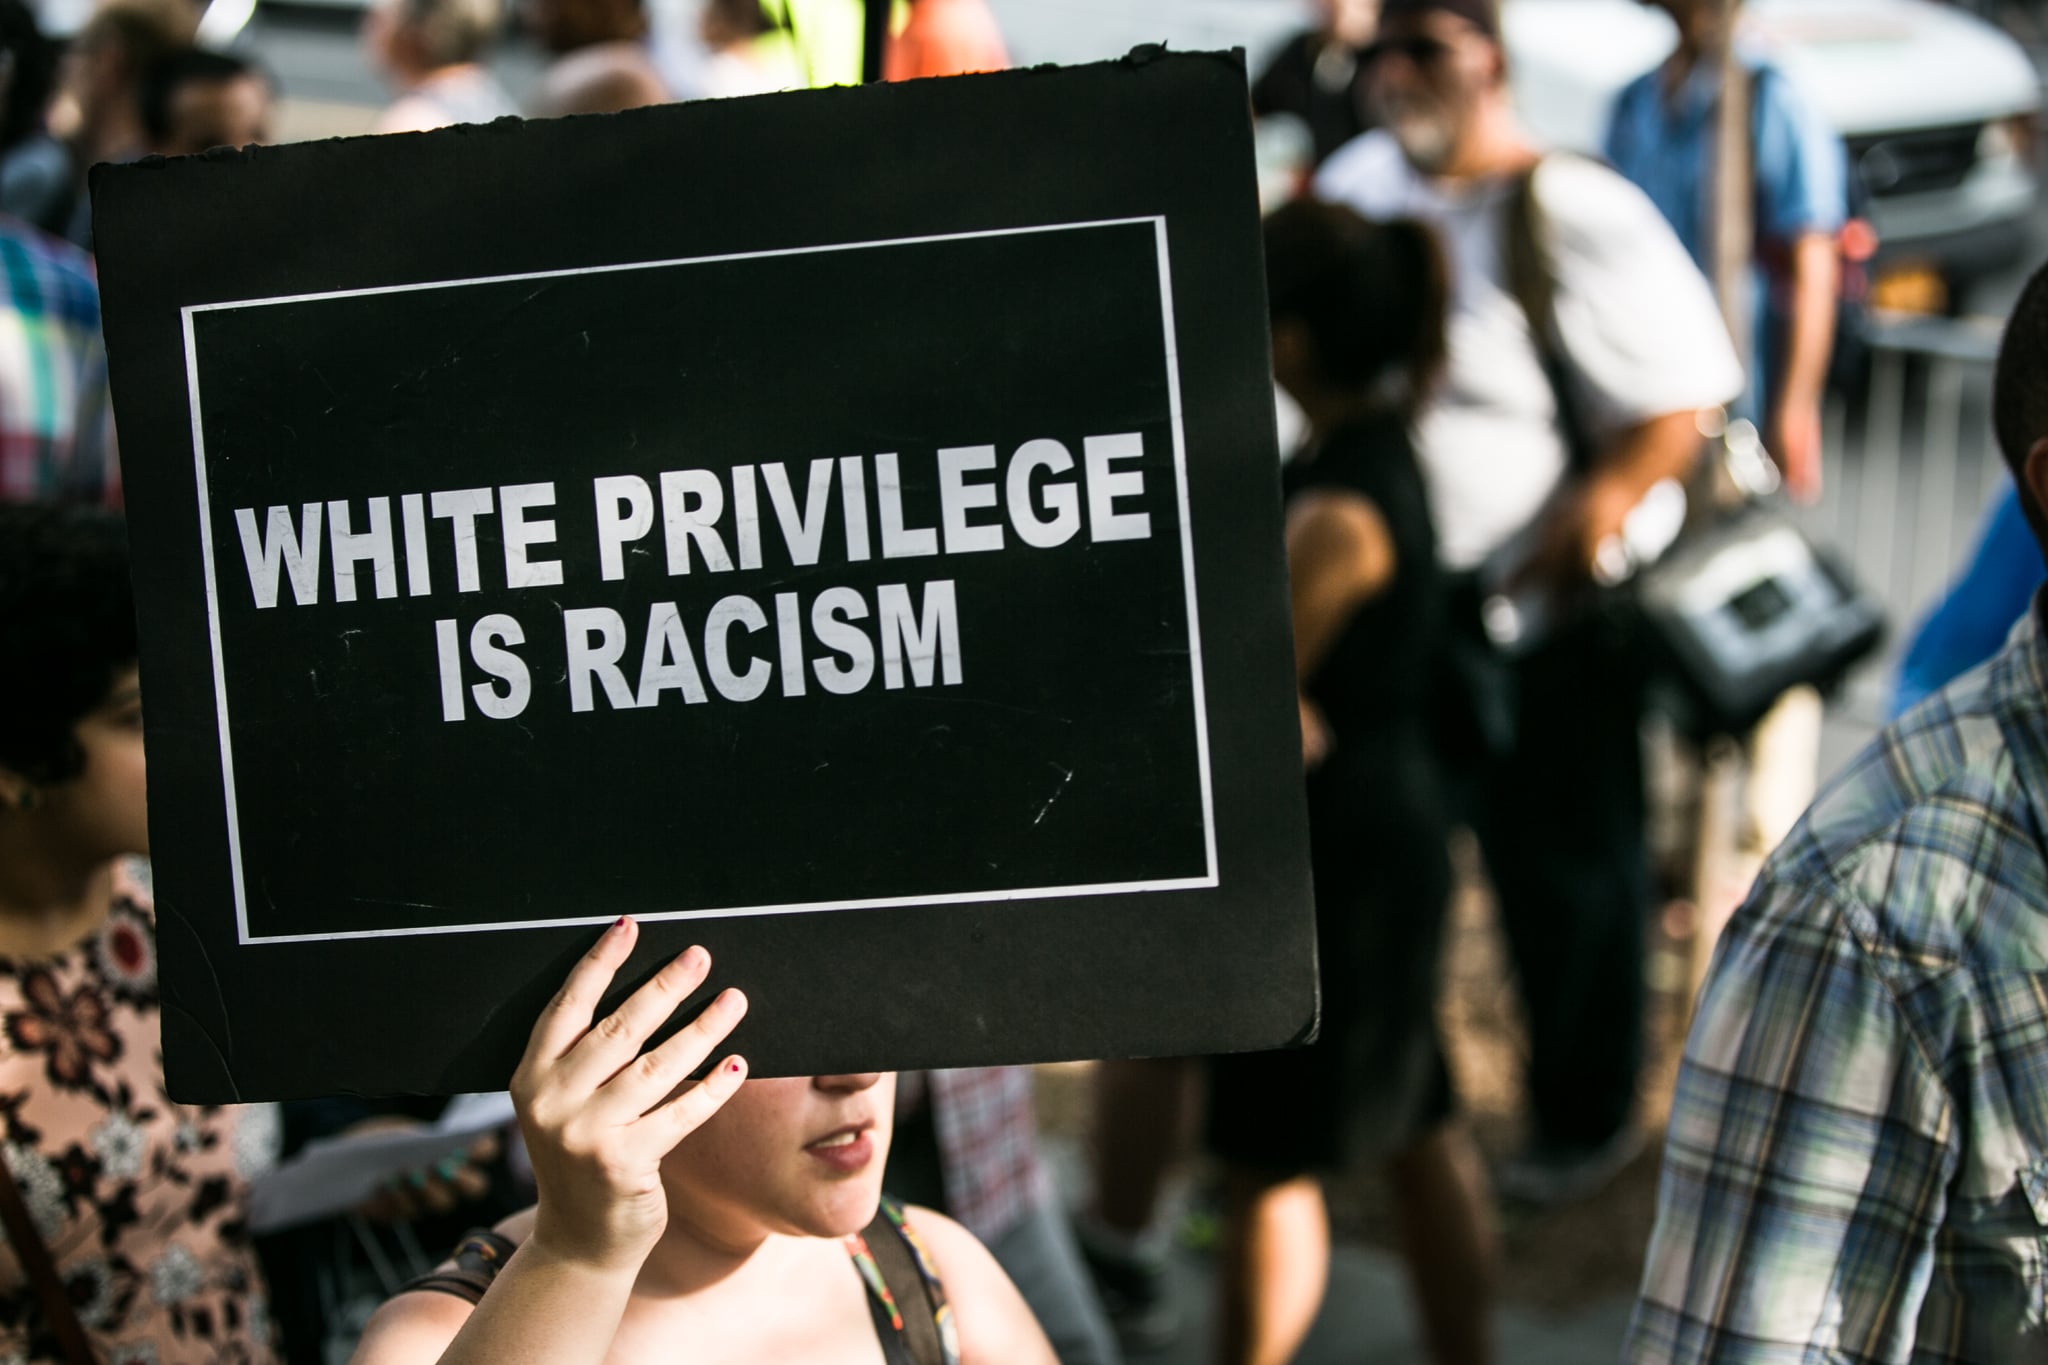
(137, 1201)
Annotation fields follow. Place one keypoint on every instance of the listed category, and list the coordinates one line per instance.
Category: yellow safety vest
(822, 39)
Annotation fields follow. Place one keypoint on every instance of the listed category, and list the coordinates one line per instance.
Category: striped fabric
(56, 426)
(1857, 1163)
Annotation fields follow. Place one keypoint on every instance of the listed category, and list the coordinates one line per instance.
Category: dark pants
(1560, 816)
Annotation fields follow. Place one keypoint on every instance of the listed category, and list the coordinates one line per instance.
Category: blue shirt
(1663, 145)
(1970, 623)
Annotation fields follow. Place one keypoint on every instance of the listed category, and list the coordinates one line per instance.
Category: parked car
(1939, 110)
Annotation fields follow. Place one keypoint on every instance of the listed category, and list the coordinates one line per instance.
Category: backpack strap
(1526, 264)
(481, 1254)
(901, 1281)
(1735, 176)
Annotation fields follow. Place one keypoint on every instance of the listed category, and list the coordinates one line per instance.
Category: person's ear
(1496, 63)
(2034, 475)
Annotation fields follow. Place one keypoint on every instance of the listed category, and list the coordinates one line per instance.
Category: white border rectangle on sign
(1172, 363)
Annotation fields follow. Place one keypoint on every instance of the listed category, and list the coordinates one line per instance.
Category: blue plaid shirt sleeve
(1809, 1147)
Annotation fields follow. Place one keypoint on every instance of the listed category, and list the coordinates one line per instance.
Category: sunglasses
(1421, 49)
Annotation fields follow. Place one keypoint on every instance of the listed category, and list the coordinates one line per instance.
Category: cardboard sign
(838, 528)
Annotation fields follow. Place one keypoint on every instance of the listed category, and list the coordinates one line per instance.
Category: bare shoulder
(948, 1244)
(1335, 514)
(1339, 537)
(412, 1328)
(416, 1327)
(994, 1322)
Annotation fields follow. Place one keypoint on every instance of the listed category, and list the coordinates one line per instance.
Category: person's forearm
(1593, 507)
(544, 1308)
(1664, 447)
(1810, 322)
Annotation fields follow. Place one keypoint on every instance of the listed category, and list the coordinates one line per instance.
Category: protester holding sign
(1358, 336)
(125, 1212)
(707, 1221)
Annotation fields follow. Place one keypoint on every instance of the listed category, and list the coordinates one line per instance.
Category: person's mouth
(845, 1150)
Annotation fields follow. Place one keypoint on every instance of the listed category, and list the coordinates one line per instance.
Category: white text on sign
(839, 639)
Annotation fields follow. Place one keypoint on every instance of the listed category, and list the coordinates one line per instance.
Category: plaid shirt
(56, 427)
(988, 1142)
(1857, 1164)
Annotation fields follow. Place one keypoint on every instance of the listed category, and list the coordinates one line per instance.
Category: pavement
(1366, 1320)
(1366, 1317)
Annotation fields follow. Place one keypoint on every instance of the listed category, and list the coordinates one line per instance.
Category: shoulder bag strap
(1533, 284)
(1732, 205)
(907, 1285)
(42, 1275)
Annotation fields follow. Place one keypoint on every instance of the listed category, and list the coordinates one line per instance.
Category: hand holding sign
(599, 1116)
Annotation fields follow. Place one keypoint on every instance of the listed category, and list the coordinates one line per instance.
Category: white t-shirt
(1640, 331)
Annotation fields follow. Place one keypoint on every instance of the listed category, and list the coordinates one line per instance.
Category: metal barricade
(1912, 463)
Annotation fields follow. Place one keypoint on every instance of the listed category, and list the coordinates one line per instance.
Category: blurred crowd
(1497, 355)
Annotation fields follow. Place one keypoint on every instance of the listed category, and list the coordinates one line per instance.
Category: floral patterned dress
(140, 1200)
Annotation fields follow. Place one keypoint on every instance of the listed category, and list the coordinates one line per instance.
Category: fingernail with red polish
(619, 924)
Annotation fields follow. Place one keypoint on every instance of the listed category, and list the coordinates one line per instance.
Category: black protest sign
(892, 624)
(838, 528)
